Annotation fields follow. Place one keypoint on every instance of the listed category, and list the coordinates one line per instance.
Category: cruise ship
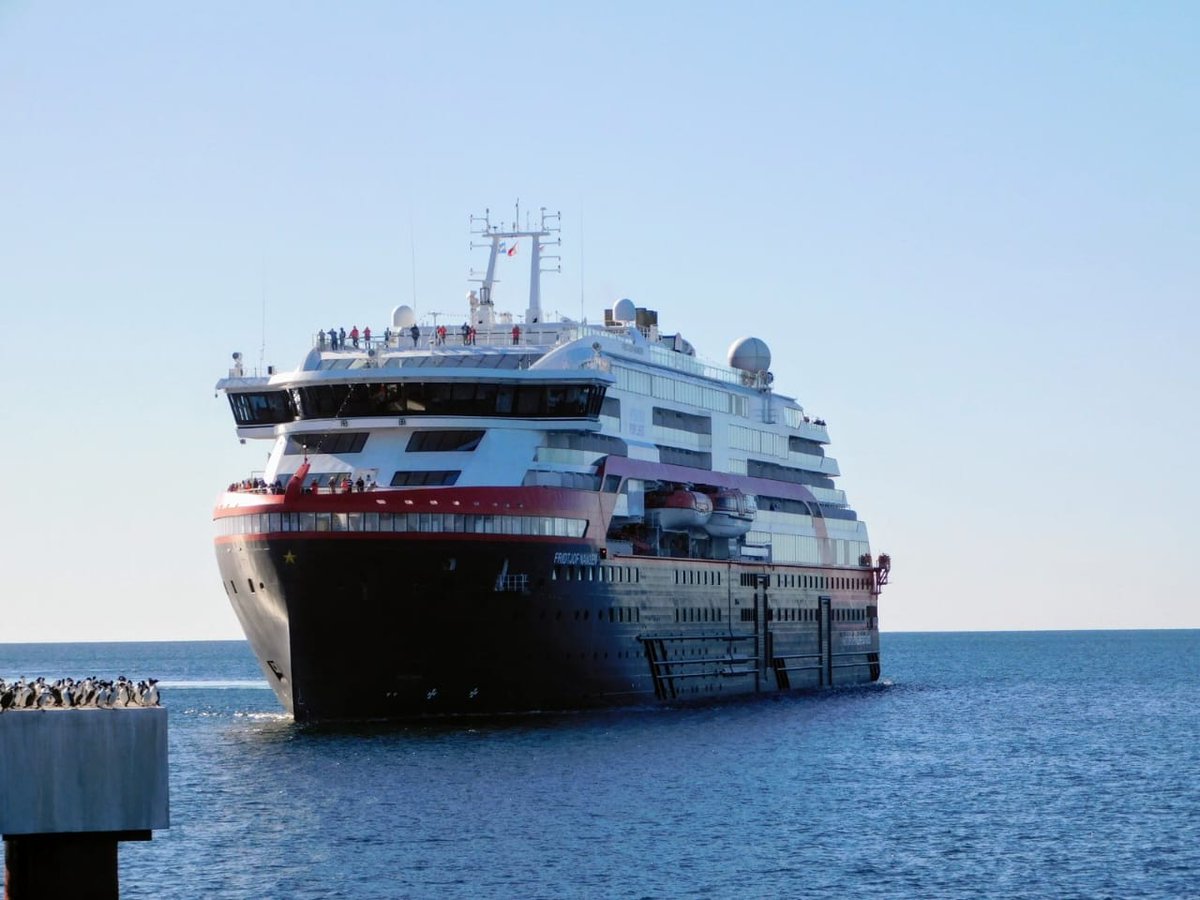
(511, 514)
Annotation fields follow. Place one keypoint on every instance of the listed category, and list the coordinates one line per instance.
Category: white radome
(624, 311)
(750, 354)
(403, 317)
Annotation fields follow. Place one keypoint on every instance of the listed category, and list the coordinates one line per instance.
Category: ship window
(262, 408)
(678, 456)
(466, 398)
(232, 585)
(430, 477)
(444, 441)
(804, 445)
(681, 421)
(326, 442)
(776, 472)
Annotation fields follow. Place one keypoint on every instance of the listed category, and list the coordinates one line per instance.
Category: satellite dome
(624, 311)
(750, 354)
(403, 317)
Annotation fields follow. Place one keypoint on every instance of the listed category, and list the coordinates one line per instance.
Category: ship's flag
(503, 247)
(512, 251)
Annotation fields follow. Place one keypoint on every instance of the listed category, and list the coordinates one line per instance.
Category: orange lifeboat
(678, 510)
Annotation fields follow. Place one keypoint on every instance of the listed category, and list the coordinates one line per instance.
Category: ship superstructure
(511, 514)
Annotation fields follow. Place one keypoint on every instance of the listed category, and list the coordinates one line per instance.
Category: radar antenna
(505, 240)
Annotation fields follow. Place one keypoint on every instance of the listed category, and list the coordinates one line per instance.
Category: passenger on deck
(367, 336)
(333, 343)
(416, 334)
(471, 336)
(516, 333)
(360, 485)
(341, 338)
(354, 336)
(466, 333)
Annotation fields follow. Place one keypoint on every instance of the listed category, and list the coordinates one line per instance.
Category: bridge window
(262, 408)
(448, 399)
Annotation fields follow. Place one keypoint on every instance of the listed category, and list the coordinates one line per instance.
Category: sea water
(1001, 765)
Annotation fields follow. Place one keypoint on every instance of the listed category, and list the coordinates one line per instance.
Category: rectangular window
(326, 442)
(444, 441)
(425, 477)
(671, 418)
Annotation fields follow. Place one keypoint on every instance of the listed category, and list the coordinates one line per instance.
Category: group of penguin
(67, 693)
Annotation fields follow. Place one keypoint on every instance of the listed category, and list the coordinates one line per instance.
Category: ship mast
(499, 239)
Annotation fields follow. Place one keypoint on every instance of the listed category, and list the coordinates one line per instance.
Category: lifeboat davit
(678, 510)
(733, 513)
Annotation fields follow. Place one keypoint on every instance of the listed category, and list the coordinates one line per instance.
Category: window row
(673, 418)
(452, 360)
(665, 387)
(776, 472)
(678, 456)
(415, 398)
(272, 523)
(464, 398)
(699, 614)
(803, 614)
(754, 440)
(823, 582)
(611, 574)
(612, 613)
(697, 576)
(857, 614)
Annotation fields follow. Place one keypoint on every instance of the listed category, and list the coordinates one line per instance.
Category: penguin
(151, 694)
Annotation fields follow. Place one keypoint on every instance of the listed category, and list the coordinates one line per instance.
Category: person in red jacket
(516, 334)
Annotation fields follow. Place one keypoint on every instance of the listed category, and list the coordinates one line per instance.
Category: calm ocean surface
(1061, 764)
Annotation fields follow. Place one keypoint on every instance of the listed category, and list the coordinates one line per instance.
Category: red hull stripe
(401, 536)
(534, 501)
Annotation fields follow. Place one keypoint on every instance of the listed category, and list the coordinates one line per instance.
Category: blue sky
(969, 234)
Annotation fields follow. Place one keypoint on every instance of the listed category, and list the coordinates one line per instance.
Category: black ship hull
(353, 626)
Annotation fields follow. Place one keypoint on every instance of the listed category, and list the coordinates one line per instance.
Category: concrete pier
(74, 782)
